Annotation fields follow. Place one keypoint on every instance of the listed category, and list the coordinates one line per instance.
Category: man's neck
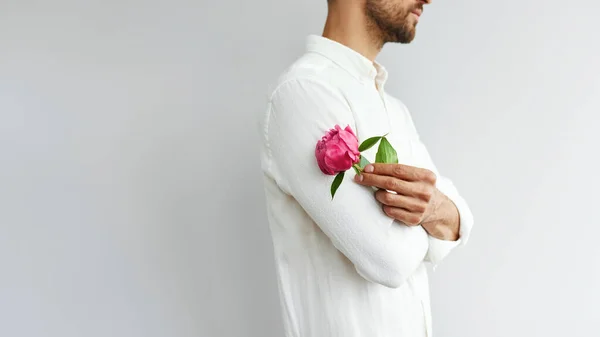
(349, 26)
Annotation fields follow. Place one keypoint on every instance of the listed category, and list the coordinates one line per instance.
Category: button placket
(381, 93)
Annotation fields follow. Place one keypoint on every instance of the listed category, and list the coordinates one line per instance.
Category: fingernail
(358, 177)
(369, 168)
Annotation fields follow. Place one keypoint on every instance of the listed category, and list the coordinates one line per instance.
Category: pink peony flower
(337, 151)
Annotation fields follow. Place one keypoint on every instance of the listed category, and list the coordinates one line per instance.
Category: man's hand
(414, 199)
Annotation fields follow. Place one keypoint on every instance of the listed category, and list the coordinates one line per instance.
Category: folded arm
(382, 250)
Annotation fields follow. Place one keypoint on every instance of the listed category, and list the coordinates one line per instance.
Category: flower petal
(350, 140)
(349, 129)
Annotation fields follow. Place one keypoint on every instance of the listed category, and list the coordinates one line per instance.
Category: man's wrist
(444, 221)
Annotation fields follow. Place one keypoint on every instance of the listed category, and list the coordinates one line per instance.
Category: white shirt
(345, 269)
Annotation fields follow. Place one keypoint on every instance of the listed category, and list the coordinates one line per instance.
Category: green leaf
(363, 162)
(367, 144)
(386, 153)
(356, 169)
(336, 182)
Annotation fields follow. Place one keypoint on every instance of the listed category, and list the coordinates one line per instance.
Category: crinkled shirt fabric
(344, 268)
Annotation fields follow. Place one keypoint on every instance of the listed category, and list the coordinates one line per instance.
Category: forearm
(444, 221)
(381, 250)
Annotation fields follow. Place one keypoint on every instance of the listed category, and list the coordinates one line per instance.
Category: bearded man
(354, 265)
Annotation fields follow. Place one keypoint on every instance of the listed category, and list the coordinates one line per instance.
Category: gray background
(130, 194)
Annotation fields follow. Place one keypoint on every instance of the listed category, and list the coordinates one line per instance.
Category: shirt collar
(349, 59)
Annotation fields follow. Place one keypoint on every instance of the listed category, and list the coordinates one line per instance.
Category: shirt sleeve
(381, 249)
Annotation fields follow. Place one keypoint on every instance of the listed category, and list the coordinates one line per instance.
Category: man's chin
(406, 37)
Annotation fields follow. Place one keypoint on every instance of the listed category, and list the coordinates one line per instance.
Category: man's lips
(417, 13)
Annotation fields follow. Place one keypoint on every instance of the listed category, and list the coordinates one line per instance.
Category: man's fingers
(408, 218)
(417, 189)
(401, 171)
(397, 200)
(385, 182)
